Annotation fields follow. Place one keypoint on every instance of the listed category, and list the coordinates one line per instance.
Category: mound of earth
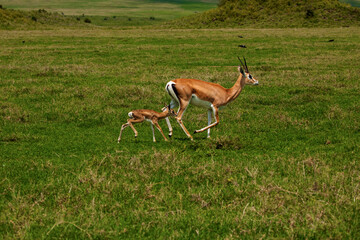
(11, 19)
(276, 13)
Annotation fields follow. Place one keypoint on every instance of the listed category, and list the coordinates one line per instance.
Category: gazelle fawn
(140, 115)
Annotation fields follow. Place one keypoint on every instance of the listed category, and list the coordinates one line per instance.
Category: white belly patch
(200, 103)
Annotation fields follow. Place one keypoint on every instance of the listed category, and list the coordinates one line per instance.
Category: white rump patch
(130, 114)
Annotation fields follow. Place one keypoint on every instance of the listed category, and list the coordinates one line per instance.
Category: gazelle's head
(169, 111)
(243, 69)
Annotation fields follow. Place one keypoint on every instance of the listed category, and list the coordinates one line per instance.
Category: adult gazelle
(207, 95)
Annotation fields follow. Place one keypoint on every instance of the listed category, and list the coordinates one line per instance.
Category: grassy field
(282, 163)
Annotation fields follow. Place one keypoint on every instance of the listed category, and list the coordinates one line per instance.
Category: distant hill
(25, 14)
(10, 19)
(160, 9)
(275, 13)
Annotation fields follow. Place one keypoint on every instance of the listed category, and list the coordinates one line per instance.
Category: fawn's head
(169, 111)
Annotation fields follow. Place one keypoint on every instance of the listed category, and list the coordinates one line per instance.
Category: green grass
(282, 163)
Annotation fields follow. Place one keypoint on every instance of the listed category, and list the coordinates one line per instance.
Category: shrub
(310, 13)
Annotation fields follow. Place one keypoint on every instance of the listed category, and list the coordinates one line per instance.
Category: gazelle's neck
(235, 90)
(164, 114)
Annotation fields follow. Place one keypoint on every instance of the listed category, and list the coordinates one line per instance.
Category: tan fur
(216, 95)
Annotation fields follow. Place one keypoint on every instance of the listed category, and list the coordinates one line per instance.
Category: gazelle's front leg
(169, 126)
(209, 122)
(173, 104)
(216, 115)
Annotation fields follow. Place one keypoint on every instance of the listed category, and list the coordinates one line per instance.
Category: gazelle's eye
(250, 76)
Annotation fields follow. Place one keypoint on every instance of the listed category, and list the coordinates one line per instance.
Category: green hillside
(10, 19)
(276, 13)
(160, 9)
(25, 14)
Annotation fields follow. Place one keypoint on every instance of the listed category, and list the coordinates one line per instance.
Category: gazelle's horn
(247, 69)
(241, 62)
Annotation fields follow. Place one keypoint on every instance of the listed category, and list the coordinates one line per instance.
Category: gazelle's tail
(171, 90)
(130, 114)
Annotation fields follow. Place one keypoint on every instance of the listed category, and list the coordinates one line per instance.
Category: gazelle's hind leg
(183, 106)
(129, 123)
(122, 129)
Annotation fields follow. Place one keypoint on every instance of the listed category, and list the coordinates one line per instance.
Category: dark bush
(87, 20)
(310, 13)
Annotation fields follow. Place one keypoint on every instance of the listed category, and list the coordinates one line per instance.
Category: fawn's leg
(129, 123)
(125, 125)
(152, 129)
(159, 128)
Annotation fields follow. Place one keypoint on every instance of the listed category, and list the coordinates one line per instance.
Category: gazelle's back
(206, 91)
